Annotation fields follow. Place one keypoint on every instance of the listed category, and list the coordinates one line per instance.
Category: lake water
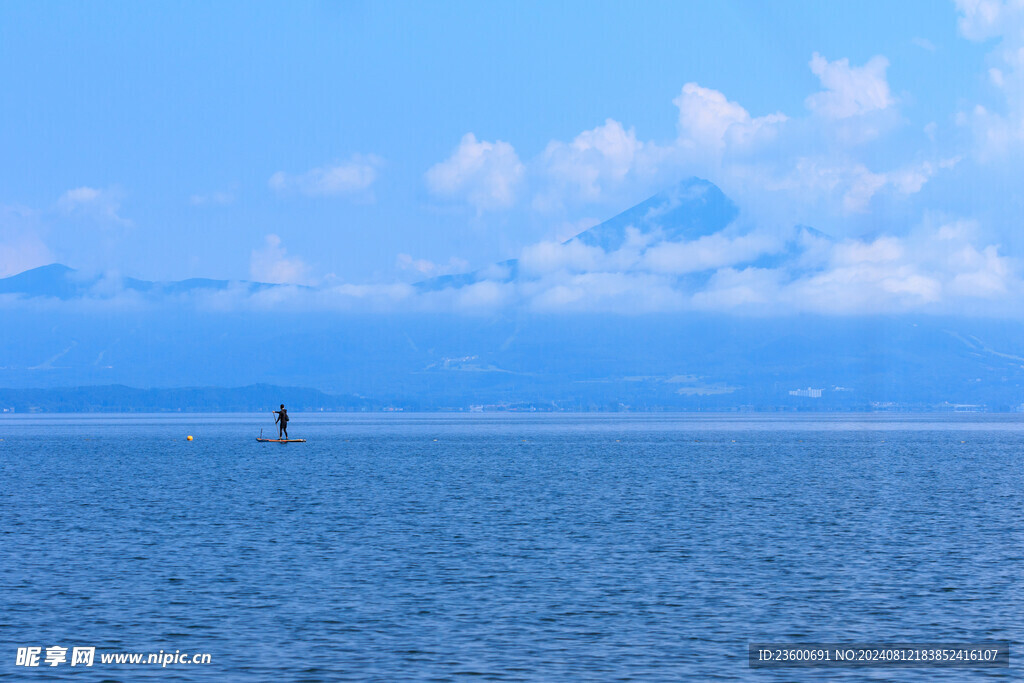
(506, 547)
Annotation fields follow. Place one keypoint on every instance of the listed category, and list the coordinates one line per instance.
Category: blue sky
(378, 143)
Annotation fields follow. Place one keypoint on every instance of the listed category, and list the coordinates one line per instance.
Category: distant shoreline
(262, 397)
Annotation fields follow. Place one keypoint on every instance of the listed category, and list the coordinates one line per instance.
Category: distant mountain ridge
(61, 282)
(124, 399)
(691, 209)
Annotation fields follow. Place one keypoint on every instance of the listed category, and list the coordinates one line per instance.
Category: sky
(370, 145)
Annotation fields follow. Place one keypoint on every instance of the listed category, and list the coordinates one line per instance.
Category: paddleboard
(281, 440)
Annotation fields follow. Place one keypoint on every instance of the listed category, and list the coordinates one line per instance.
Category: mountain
(504, 357)
(693, 208)
(61, 282)
(687, 211)
(54, 280)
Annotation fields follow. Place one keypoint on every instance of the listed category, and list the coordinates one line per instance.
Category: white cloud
(856, 252)
(709, 252)
(863, 288)
(707, 119)
(995, 134)
(272, 264)
(923, 43)
(617, 292)
(998, 129)
(485, 174)
(574, 256)
(853, 183)
(933, 269)
(849, 90)
(21, 244)
(102, 205)
(984, 19)
(569, 229)
(764, 161)
(929, 270)
(595, 159)
(351, 177)
(338, 297)
(720, 139)
(984, 274)
(79, 196)
(19, 253)
(743, 289)
(428, 268)
(600, 163)
(549, 257)
(486, 295)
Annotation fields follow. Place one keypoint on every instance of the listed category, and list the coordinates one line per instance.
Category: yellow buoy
(189, 437)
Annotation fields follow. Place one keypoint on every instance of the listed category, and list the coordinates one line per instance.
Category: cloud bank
(938, 267)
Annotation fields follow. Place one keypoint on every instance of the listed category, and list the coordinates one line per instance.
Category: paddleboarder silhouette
(282, 421)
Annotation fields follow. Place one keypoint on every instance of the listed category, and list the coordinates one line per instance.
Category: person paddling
(282, 421)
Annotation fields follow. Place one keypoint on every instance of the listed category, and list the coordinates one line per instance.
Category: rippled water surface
(547, 547)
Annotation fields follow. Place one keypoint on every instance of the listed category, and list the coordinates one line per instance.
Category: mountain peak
(688, 210)
(693, 208)
(51, 280)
